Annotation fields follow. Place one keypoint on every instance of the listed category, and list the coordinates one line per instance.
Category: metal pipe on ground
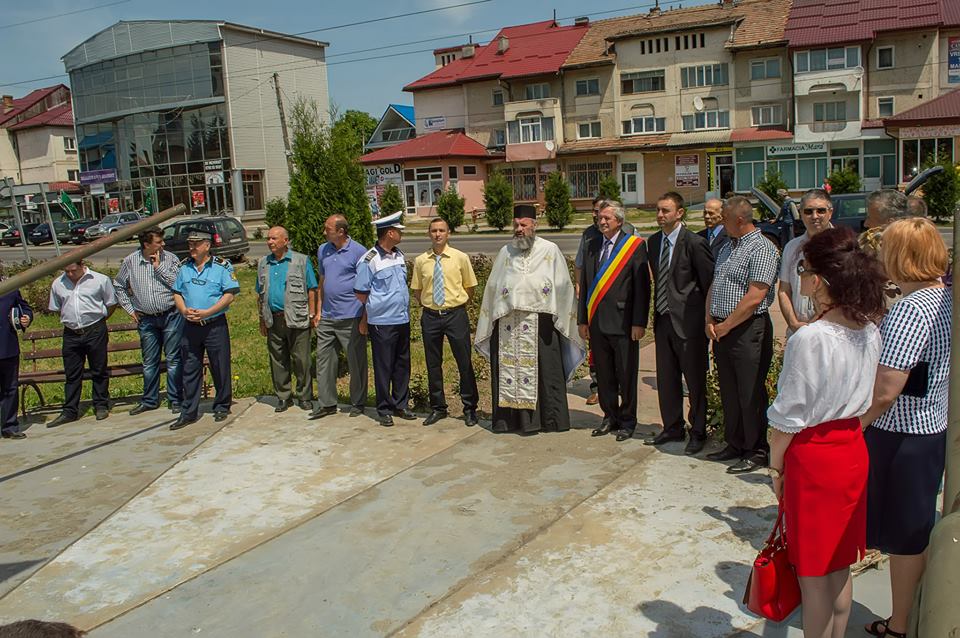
(82, 252)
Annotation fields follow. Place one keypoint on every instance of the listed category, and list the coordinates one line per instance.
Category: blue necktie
(438, 296)
(605, 255)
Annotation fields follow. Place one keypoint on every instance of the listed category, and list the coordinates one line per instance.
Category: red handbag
(773, 590)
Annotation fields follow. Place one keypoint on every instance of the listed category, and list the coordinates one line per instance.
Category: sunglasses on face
(818, 211)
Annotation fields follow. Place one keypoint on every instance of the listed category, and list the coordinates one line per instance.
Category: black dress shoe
(435, 416)
(141, 408)
(405, 414)
(220, 416)
(306, 406)
(386, 421)
(356, 410)
(623, 435)
(61, 420)
(283, 406)
(664, 437)
(319, 413)
(182, 422)
(470, 418)
(606, 427)
(174, 407)
(755, 462)
(694, 445)
(101, 413)
(726, 454)
(14, 434)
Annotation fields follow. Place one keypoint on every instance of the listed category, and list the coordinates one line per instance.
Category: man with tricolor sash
(528, 330)
(613, 309)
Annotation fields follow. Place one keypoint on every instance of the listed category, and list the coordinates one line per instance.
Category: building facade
(191, 108)
(37, 142)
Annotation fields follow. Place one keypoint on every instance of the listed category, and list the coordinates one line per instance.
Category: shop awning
(691, 138)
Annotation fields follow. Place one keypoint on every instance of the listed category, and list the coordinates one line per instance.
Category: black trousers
(9, 400)
(617, 360)
(455, 326)
(391, 366)
(679, 359)
(743, 359)
(79, 346)
(213, 339)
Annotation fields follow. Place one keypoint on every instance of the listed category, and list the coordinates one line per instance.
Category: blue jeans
(156, 333)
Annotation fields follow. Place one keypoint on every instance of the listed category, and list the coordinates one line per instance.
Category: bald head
(738, 216)
(712, 212)
(277, 241)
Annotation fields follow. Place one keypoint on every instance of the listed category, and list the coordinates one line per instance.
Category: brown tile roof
(638, 142)
(760, 23)
(759, 134)
(944, 108)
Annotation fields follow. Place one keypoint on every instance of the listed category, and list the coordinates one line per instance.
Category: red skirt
(825, 497)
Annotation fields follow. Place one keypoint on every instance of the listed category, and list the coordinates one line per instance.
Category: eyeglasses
(818, 211)
(802, 269)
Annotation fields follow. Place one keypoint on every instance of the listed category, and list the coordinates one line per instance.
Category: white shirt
(85, 303)
(669, 241)
(828, 374)
(792, 253)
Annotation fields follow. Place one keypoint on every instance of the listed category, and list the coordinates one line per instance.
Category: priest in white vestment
(528, 330)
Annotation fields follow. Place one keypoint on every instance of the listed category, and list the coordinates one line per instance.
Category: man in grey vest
(287, 296)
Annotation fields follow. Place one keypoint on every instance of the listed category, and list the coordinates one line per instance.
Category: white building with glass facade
(191, 107)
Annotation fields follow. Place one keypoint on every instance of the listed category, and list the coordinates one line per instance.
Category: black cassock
(552, 413)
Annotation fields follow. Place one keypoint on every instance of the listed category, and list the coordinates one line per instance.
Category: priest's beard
(524, 242)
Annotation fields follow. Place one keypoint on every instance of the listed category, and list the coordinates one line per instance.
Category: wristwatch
(775, 472)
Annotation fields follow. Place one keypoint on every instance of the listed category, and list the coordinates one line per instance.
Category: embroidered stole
(518, 371)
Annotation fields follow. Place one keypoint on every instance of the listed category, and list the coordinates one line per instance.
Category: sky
(366, 81)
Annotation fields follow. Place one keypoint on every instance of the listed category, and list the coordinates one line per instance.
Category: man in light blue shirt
(381, 285)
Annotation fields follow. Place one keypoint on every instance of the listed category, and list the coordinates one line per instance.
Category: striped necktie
(662, 273)
(438, 295)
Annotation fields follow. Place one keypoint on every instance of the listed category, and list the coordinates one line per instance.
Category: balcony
(826, 131)
(547, 107)
(813, 82)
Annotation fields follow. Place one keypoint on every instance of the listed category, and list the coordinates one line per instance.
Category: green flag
(150, 199)
(67, 204)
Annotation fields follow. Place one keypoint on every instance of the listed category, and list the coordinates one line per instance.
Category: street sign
(100, 176)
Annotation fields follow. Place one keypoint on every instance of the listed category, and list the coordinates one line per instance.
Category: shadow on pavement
(749, 524)
(9, 570)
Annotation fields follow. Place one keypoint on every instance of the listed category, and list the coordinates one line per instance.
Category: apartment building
(190, 108)
(37, 142)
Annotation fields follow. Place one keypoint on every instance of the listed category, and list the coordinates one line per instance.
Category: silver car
(111, 223)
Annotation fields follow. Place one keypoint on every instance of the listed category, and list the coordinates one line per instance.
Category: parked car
(41, 234)
(111, 224)
(78, 229)
(12, 236)
(229, 236)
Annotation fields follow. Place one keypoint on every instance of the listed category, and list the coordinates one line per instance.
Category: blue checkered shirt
(751, 258)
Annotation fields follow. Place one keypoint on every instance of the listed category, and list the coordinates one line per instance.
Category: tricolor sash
(609, 271)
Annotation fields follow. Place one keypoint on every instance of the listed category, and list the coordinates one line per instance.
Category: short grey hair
(815, 193)
(891, 203)
(713, 199)
(916, 206)
(739, 206)
(615, 206)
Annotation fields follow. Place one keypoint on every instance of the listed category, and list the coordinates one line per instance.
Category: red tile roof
(822, 22)
(755, 134)
(945, 108)
(532, 49)
(58, 116)
(67, 187)
(22, 104)
(453, 143)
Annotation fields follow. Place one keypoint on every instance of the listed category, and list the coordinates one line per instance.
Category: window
(885, 106)
(588, 87)
(70, 144)
(73, 175)
(498, 97)
(538, 91)
(767, 115)
(706, 120)
(917, 153)
(395, 134)
(706, 75)
(885, 58)
(642, 82)
(429, 185)
(252, 189)
(524, 182)
(584, 177)
(469, 170)
(830, 112)
(452, 172)
(827, 59)
(530, 129)
(641, 125)
(765, 69)
(499, 137)
(588, 129)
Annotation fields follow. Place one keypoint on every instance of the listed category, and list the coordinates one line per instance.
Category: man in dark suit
(714, 233)
(15, 314)
(682, 268)
(612, 312)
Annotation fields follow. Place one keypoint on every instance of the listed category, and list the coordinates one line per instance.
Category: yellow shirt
(458, 275)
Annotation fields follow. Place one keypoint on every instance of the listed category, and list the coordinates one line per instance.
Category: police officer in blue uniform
(381, 285)
(204, 289)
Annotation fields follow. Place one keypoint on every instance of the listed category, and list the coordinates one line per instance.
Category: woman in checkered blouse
(907, 422)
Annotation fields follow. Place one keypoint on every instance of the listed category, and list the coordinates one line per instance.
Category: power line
(61, 15)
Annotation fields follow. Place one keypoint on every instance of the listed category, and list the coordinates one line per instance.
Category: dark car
(783, 224)
(229, 236)
(41, 234)
(12, 236)
(78, 229)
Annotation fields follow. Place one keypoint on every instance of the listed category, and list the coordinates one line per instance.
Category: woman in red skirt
(818, 458)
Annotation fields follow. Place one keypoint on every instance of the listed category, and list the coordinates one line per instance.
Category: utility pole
(283, 125)
(15, 207)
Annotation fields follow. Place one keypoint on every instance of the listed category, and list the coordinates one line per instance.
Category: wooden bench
(32, 377)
